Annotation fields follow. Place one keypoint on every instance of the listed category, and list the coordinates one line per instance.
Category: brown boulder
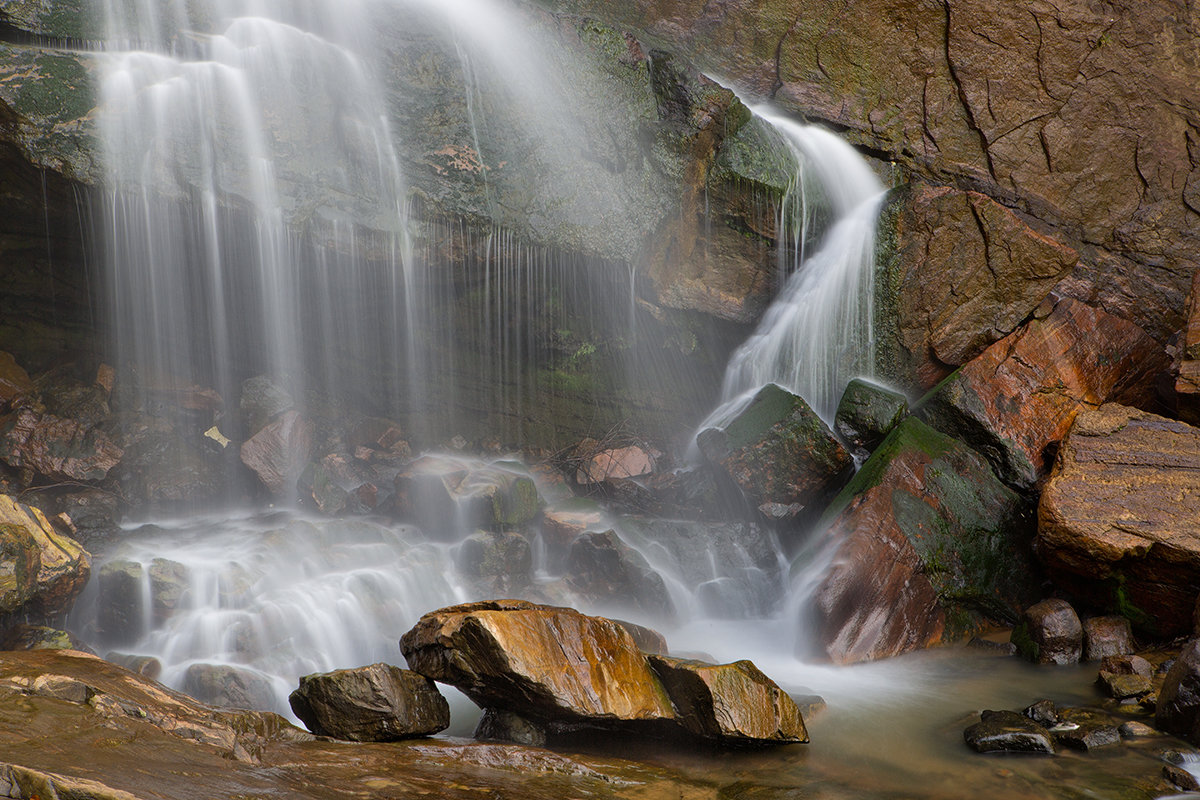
(376, 703)
(229, 687)
(1050, 633)
(279, 452)
(777, 450)
(1104, 637)
(60, 449)
(45, 568)
(731, 703)
(1119, 518)
(1187, 381)
(923, 529)
(1017, 400)
(543, 663)
(14, 381)
(981, 270)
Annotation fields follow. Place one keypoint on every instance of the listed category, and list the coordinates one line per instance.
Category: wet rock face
(498, 653)
(867, 413)
(928, 542)
(777, 450)
(376, 703)
(981, 272)
(1017, 400)
(60, 449)
(1119, 519)
(1187, 381)
(229, 687)
(1178, 709)
(1050, 633)
(604, 569)
(41, 570)
(1008, 732)
(730, 702)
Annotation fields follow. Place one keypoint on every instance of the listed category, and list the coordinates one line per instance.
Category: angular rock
(1016, 401)
(262, 401)
(444, 496)
(505, 726)
(924, 529)
(867, 413)
(1178, 710)
(1126, 686)
(1106, 636)
(1083, 729)
(981, 269)
(279, 452)
(169, 588)
(1050, 633)
(560, 527)
(229, 687)
(376, 703)
(618, 462)
(1119, 519)
(777, 450)
(607, 571)
(1126, 665)
(59, 566)
(550, 665)
(1043, 712)
(501, 561)
(1008, 732)
(730, 703)
(60, 449)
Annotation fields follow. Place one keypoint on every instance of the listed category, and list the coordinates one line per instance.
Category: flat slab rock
(1008, 732)
(1119, 519)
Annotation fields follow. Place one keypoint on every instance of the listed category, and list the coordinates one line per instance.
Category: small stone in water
(1043, 712)
(1007, 732)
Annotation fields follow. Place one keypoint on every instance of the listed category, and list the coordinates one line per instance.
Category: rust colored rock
(541, 662)
(1119, 518)
(376, 703)
(777, 450)
(1050, 633)
(61, 449)
(14, 381)
(619, 462)
(730, 703)
(1187, 382)
(1106, 636)
(1017, 400)
(61, 567)
(279, 452)
(981, 270)
(924, 528)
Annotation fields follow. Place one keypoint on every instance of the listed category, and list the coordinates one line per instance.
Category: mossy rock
(867, 413)
(20, 563)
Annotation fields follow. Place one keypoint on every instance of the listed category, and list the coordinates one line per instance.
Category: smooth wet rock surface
(1008, 732)
(376, 703)
(867, 413)
(1050, 633)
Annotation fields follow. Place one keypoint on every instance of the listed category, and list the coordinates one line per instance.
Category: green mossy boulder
(867, 413)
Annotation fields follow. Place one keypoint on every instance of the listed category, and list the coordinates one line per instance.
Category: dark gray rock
(1008, 732)
(376, 703)
(1050, 633)
(867, 413)
(229, 687)
(1178, 709)
(506, 726)
(606, 570)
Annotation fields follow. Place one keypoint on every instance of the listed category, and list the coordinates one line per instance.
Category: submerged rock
(867, 413)
(376, 703)
(1050, 633)
(1008, 732)
(498, 562)
(922, 531)
(1119, 519)
(447, 496)
(777, 450)
(1016, 401)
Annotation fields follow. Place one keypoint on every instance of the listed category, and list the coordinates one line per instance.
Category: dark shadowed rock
(548, 664)
(376, 703)
(229, 687)
(1085, 729)
(148, 666)
(1178, 709)
(1008, 732)
(777, 450)
(1187, 380)
(922, 531)
(279, 452)
(867, 413)
(1106, 636)
(507, 726)
(1050, 633)
(607, 571)
(1119, 519)
(40, 637)
(444, 495)
(1016, 401)
(120, 604)
(731, 703)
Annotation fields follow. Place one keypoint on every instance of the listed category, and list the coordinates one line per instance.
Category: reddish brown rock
(279, 452)
(731, 703)
(544, 663)
(1050, 633)
(1178, 708)
(1104, 637)
(1017, 400)
(981, 270)
(1119, 518)
(777, 450)
(924, 528)
(1187, 382)
(61, 449)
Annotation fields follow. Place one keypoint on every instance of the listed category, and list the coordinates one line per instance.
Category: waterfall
(817, 334)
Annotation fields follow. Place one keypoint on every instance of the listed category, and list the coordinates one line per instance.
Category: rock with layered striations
(549, 664)
(41, 570)
(60, 449)
(279, 452)
(777, 450)
(376, 703)
(1016, 401)
(731, 703)
(924, 529)
(1119, 519)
